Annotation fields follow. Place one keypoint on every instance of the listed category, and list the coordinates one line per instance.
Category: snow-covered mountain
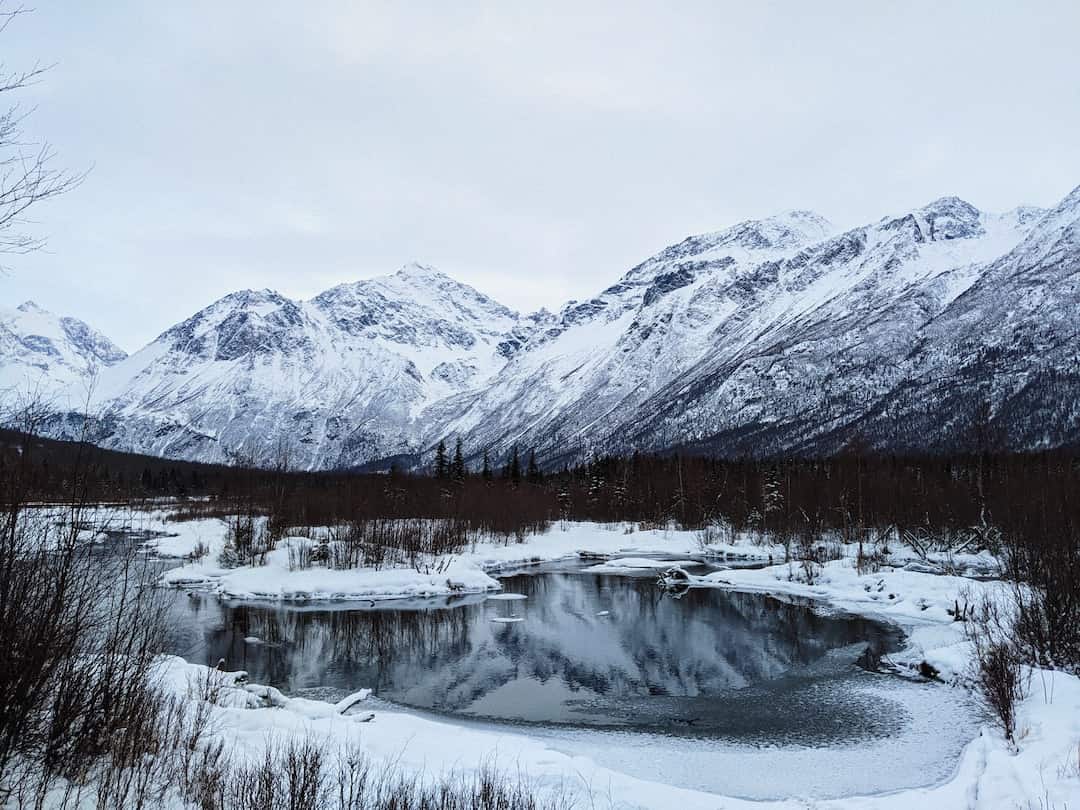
(772, 336)
(335, 381)
(49, 357)
(939, 328)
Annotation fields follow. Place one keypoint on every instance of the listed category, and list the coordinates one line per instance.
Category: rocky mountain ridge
(944, 327)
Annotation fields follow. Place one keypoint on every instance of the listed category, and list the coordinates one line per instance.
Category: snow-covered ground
(1041, 771)
(468, 572)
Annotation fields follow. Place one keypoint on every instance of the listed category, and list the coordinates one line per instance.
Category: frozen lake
(713, 689)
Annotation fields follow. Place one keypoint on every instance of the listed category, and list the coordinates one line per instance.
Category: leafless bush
(997, 662)
(303, 775)
(80, 632)
(812, 548)
(870, 560)
(1000, 683)
(300, 554)
(714, 533)
(248, 540)
(381, 543)
(288, 777)
(1044, 565)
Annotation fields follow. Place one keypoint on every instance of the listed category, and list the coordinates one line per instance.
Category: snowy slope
(768, 336)
(605, 355)
(836, 336)
(1002, 362)
(42, 354)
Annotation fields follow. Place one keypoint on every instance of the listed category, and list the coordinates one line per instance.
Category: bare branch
(28, 174)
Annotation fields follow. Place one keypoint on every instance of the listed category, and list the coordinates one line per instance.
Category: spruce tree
(485, 473)
(515, 467)
(458, 468)
(441, 468)
(533, 475)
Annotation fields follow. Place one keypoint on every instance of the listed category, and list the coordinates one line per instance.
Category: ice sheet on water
(929, 725)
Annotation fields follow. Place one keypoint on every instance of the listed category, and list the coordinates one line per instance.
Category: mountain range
(944, 328)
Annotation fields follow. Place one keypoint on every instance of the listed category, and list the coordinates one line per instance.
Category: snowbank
(990, 775)
(276, 581)
(469, 572)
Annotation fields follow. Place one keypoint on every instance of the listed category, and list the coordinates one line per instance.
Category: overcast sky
(533, 150)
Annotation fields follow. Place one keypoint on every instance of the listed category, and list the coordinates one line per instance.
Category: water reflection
(581, 649)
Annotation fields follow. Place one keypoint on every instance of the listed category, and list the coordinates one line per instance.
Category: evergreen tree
(458, 468)
(515, 467)
(485, 473)
(596, 488)
(565, 499)
(532, 474)
(441, 467)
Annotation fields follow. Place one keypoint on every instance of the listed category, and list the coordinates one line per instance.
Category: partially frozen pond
(607, 665)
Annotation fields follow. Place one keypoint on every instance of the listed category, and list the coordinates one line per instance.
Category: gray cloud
(534, 151)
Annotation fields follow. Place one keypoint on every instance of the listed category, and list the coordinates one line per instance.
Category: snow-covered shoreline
(469, 572)
(990, 773)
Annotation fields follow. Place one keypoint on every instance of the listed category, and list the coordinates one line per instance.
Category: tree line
(848, 493)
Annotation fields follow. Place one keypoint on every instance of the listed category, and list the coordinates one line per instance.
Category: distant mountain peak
(811, 224)
(48, 352)
(950, 204)
(759, 240)
(254, 297)
(421, 272)
(943, 219)
(783, 231)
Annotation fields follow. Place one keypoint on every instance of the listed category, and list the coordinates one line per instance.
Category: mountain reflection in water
(607, 651)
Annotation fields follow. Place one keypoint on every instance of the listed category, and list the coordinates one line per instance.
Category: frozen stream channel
(735, 693)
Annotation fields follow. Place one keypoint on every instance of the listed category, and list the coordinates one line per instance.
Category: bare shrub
(1000, 683)
(80, 630)
(80, 633)
(812, 548)
(387, 542)
(997, 661)
(1044, 564)
(300, 554)
(714, 533)
(870, 561)
(302, 775)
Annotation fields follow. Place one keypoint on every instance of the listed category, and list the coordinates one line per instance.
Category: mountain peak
(786, 230)
(810, 223)
(49, 352)
(415, 271)
(943, 219)
(755, 239)
(950, 205)
(257, 299)
(423, 282)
